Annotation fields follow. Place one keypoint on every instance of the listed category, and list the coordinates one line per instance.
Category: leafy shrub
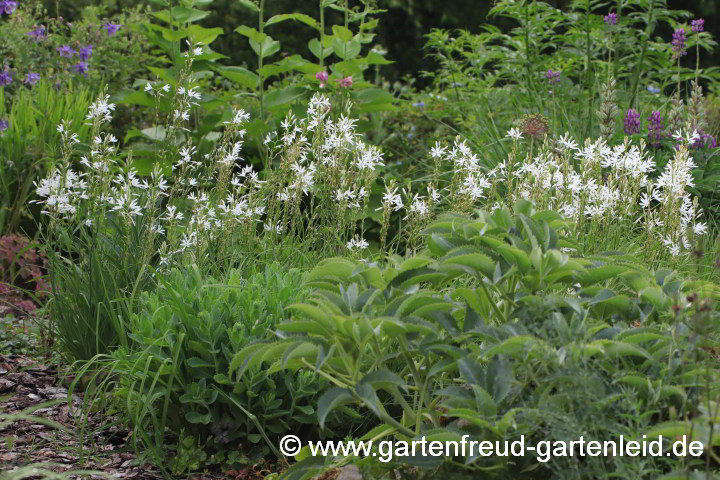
(516, 338)
(83, 52)
(171, 382)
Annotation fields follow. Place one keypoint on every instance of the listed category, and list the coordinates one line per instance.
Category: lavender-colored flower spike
(656, 128)
(698, 25)
(632, 122)
(4, 124)
(679, 45)
(611, 18)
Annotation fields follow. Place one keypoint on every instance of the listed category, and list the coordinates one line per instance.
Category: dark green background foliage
(401, 31)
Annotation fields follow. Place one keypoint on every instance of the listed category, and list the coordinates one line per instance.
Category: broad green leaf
(330, 400)
(250, 5)
(195, 417)
(280, 98)
(314, 46)
(313, 312)
(346, 50)
(300, 17)
(202, 35)
(600, 274)
(266, 48)
(382, 379)
(342, 33)
(178, 15)
(239, 75)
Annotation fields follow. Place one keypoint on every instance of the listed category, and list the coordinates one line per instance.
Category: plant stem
(322, 34)
(648, 31)
(261, 29)
(588, 74)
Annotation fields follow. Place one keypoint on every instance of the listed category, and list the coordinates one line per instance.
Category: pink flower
(323, 77)
(345, 82)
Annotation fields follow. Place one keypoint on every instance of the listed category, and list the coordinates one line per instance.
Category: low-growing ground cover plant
(172, 383)
(499, 346)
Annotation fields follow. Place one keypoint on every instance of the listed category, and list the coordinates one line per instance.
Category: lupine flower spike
(632, 122)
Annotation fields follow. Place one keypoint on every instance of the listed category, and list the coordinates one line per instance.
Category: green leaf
(314, 46)
(300, 17)
(266, 48)
(251, 33)
(250, 5)
(382, 379)
(346, 50)
(313, 312)
(195, 417)
(202, 35)
(179, 15)
(157, 133)
(342, 33)
(330, 400)
(239, 75)
(279, 98)
(600, 274)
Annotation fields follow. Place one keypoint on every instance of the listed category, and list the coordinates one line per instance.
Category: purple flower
(112, 28)
(632, 122)
(678, 43)
(7, 6)
(553, 77)
(31, 78)
(38, 33)
(6, 77)
(705, 140)
(698, 25)
(80, 67)
(4, 124)
(66, 51)
(85, 53)
(656, 128)
(611, 18)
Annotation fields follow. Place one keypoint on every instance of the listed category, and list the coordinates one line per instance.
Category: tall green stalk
(588, 71)
(638, 69)
(322, 33)
(261, 79)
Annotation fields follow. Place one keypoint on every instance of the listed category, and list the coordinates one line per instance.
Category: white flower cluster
(606, 184)
(213, 198)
